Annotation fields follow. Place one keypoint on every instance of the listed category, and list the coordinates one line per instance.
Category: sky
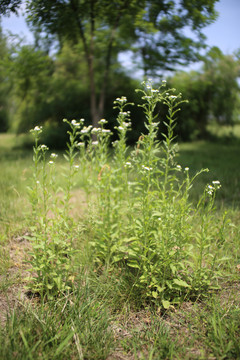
(224, 32)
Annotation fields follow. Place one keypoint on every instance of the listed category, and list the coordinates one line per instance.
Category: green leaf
(117, 258)
(173, 268)
(181, 283)
(63, 344)
(133, 264)
(166, 304)
(160, 289)
(154, 294)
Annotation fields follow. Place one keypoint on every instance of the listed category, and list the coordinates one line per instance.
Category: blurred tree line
(84, 76)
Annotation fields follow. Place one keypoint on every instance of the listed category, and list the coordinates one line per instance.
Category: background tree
(224, 72)
(213, 95)
(31, 70)
(104, 28)
(5, 82)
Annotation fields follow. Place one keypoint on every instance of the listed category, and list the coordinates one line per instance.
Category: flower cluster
(120, 100)
(53, 156)
(212, 188)
(86, 129)
(128, 164)
(100, 130)
(172, 97)
(36, 131)
(43, 147)
(124, 113)
(102, 121)
(96, 130)
(75, 123)
(146, 168)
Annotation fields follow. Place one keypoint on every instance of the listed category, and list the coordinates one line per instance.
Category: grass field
(96, 321)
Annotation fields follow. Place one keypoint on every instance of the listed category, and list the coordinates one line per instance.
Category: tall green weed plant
(51, 225)
(146, 224)
(140, 222)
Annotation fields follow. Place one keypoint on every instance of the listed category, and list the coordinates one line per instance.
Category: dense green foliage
(213, 95)
(41, 90)
(5, 84)
(101, 29)
(83, 77)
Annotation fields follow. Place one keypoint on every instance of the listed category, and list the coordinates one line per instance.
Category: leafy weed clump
(140, 223)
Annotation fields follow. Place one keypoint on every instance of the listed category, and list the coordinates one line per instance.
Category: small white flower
(122, 99)
(95, 143)
(103, 121)
(51, 162)
(43, 147)
(85, 130)
(106, 130)
(121, 128)
(164, 81)
(154, 90)
(186, 168)
(96, 130)
(210, 192)
(53, 156)
(146, 168)
(76, 167)
(216, 184)
(210, 187)
(37, 128)
(75, 123)
(128, 163)
(179, 167)
(80, 144)
(172, 97)
(38, 182)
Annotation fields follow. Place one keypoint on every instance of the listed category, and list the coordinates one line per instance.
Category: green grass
(15, 172)
(223, 162)
(98, 321)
